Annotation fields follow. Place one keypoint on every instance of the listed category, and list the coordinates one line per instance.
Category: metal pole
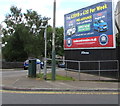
(45, 37)
(118, 69)
(79, 70)
(99, 70)
(66, 68)
(53, 43)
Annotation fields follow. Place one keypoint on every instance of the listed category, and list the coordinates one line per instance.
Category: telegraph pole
(53, 43)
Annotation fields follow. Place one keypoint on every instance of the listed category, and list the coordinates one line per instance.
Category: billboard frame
(113, 28)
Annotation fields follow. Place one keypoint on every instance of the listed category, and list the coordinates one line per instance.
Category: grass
(58, 77)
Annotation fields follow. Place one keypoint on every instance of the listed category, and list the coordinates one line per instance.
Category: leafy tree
(49, 41)
(23, 34)
(58, 41)
(25, 38)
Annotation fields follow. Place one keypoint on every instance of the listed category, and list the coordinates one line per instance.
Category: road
(32, 97)
(18, 97)
(15, 73)
(12, 73)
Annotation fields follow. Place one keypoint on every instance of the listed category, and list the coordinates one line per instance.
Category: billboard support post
(79, 71)
(99, 70)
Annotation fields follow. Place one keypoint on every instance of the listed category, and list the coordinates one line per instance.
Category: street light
(45, 38)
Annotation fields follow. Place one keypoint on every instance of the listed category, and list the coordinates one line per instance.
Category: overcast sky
(45, 7)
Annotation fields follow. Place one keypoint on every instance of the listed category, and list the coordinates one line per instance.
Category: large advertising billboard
(90, 27)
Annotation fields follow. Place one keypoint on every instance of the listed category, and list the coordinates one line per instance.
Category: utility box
(32, 68)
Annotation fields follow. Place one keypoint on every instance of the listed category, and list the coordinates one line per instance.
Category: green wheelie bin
(32, 68)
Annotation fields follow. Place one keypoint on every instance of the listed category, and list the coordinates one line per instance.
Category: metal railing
(98, 66)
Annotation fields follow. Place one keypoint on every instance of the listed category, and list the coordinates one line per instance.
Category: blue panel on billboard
(85, 28)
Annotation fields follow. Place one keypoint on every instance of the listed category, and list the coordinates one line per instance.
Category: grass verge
(58, 77)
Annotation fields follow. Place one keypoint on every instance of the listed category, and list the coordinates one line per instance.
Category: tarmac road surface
(19, 79)
(10, 97)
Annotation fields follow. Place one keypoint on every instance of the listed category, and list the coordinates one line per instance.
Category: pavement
(82, 82)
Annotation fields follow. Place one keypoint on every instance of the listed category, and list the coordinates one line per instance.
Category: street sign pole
(53, 43)
(45, 60)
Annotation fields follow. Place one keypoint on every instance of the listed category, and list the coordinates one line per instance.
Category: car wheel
(25, 68)
(42, 67)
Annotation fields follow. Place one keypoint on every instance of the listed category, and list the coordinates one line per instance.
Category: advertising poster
(90, 27)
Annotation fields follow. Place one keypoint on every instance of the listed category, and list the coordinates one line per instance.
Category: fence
(10, 65)
(91, 66)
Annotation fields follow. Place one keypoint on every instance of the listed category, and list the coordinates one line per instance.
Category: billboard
(90, 27)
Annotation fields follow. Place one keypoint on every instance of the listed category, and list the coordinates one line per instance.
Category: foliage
(14, 50)
(59, 41)
(49, 41)
(25, 37)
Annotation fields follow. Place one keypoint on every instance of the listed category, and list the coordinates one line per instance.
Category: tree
(23, 34)
(14, 50)
(58, 41)
(49, 41)
(25, 38)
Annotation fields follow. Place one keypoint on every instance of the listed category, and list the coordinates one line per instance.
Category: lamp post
(45, 38)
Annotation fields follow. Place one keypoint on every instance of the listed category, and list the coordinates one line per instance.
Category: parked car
(26, 64)
(71, 31)
(100, 25)
(62, 65)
